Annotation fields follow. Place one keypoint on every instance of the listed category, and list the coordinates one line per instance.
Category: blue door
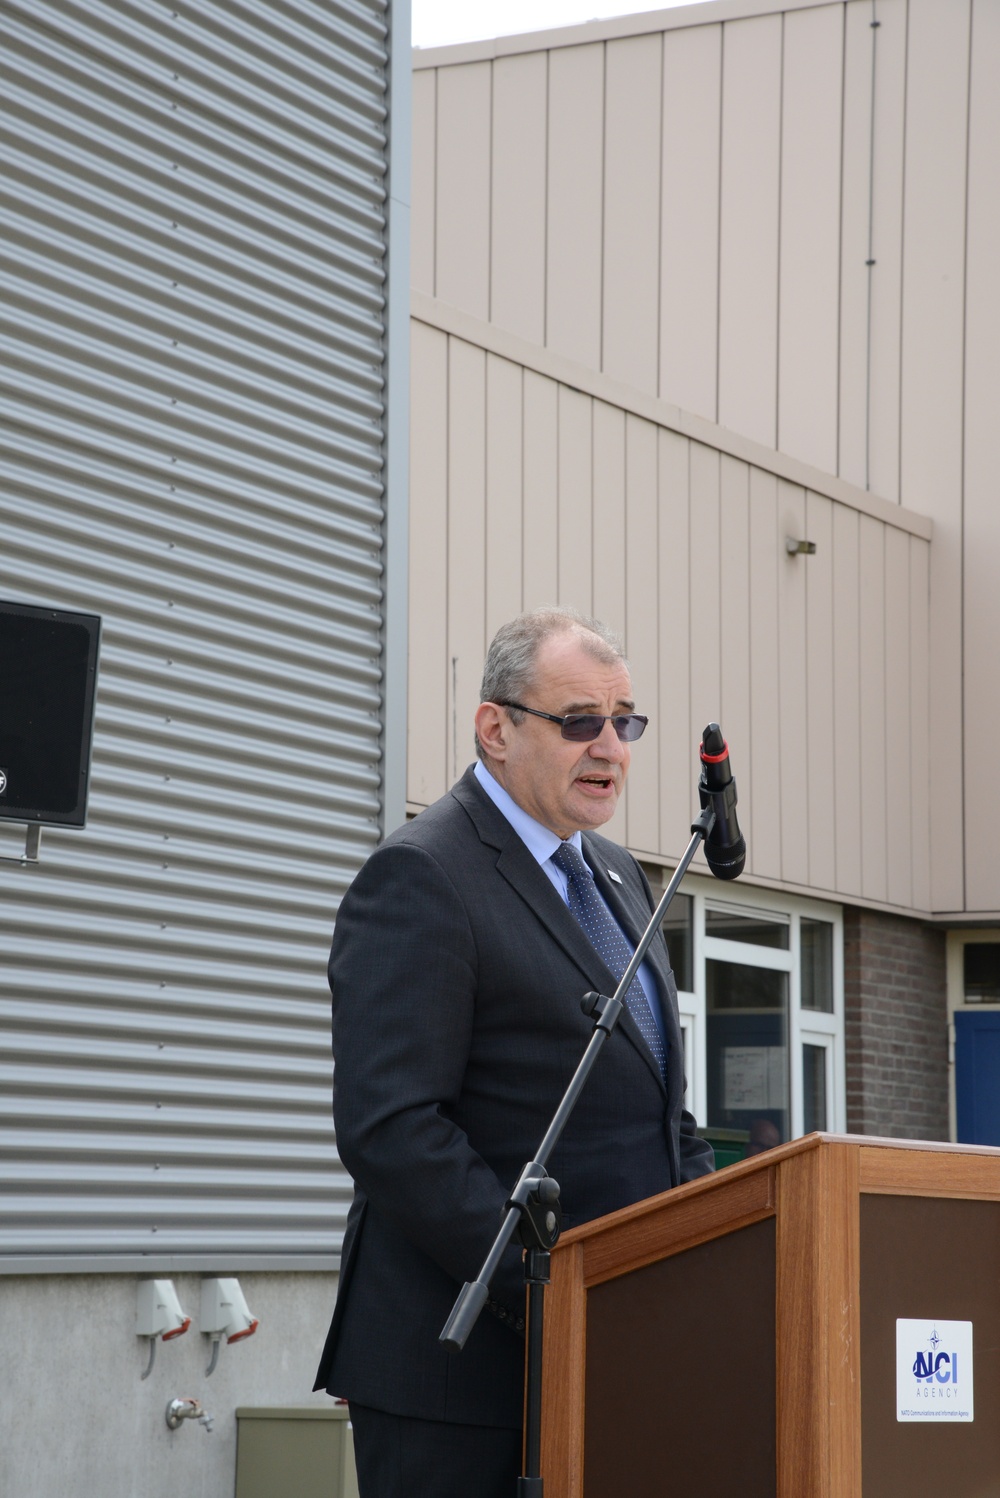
(977, 1076)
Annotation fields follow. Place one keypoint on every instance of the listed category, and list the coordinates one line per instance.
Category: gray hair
(509, 671)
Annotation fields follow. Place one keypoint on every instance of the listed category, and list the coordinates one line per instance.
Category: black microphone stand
(532, 1210)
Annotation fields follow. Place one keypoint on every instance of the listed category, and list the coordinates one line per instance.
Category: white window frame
(805, 1026)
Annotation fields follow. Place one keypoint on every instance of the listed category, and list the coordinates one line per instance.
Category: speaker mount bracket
(32, 846)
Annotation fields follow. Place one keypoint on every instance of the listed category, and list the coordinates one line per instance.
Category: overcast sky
(438, 22)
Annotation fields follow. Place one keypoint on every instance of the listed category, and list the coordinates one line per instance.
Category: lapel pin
(614, 876)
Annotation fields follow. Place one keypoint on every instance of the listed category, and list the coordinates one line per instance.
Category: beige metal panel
(686, 547)
(809, 297)
(887, 248)
(871, 581)
(705, 626)
(748, 265)
(541, 490)
(794, 725)
(504, 496)
(626, 398)
(632, 211)
(933, 368)
(677, 736)
(982, 514)
(427, 717)
(711, 12)
(576, 203)
(847, 698)
(640, 621)
(609, 538)
(462, 209)
(859, 39)
(899, 850)
(517, 277)
(424, 178)
(872, 205)
(734, 620)
(576, 507)
(920, 811)
(466, 544)
(609, 514)
(819, 691)
(764, 857)
(689, 218)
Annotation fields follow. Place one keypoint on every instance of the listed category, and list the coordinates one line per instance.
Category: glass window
(982, 972)
(747, 1060)
(754, 926)
(814, 1108)
(816, 942)
(677, 928)
(730, 985)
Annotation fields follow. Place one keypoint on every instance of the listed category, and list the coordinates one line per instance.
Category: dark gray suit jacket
(457, 973)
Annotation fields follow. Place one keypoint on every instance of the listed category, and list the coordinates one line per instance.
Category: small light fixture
(799, 548)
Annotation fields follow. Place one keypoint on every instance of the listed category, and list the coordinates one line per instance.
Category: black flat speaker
(48, 680)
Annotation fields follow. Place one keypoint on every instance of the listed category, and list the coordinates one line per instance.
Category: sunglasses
(583, 728)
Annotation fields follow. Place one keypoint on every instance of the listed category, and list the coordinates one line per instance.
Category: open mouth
(601, 782)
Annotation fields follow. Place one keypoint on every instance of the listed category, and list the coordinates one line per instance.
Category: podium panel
(929, 1258)
(681, 1376)
(822, 1321)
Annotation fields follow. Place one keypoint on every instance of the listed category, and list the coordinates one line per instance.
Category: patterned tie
(606, 936)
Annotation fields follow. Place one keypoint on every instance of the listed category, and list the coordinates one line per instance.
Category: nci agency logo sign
(934, 1370)
(3, 782)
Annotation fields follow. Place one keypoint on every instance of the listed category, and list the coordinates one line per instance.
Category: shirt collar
(540, 842)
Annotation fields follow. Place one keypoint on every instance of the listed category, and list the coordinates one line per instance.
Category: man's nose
(608, 745)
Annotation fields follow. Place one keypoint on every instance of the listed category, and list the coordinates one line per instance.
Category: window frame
(805, 1026)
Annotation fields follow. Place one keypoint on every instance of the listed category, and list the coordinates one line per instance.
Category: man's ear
(492, 727)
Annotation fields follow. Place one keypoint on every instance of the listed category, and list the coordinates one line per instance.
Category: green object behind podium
(729, 1145)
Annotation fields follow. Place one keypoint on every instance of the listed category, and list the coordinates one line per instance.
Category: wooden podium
(736, 1338)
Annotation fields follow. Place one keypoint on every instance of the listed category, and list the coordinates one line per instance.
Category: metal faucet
(188, 1409)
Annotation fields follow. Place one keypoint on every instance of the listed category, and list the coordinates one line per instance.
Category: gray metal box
(297, 1451)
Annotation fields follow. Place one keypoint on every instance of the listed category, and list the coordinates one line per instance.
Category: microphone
(725, 847)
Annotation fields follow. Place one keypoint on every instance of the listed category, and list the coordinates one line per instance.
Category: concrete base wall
(79, 1419)
(896, 1026)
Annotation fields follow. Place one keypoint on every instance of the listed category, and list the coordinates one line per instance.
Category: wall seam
(902, 253)
(659, 230)
(545, 227)
(490, 189)
(604, 217)
(781, 185)
(840, 232)
(718, 225)
(961, 477)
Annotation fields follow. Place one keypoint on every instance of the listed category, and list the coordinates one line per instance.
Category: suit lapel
(516, 865)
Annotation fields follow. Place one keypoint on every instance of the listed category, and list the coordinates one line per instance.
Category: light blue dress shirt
(541, 843)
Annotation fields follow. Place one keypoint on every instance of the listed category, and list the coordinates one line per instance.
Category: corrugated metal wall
(193, 266)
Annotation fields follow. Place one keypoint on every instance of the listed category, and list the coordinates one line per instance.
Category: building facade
(689, 288)
(204, 443)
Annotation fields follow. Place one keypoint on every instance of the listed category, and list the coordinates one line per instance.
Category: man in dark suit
(459, 958)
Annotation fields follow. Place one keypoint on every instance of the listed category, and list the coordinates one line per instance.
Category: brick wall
(896, 1026)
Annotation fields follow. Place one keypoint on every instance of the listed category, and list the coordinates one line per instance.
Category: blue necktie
(609, 942)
